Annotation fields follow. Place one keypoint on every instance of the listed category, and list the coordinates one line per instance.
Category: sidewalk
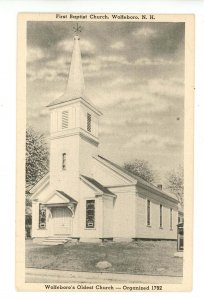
(34, 275)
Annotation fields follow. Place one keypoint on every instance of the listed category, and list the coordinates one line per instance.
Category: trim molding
(76, 131)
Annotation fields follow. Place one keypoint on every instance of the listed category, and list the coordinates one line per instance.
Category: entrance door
(62, 220)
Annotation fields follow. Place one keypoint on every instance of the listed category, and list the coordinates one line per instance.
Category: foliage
(140, 168)
(37, 156)
(27, 199)
(175, 183)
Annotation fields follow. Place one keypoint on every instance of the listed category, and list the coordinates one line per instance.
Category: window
(171, 214)
(148, 212)
(88, 122)
(90, 213)
(65, 119)
(64, 156)
(42, 216)
(160, 216)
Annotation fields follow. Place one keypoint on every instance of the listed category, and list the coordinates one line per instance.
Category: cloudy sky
(134, 73)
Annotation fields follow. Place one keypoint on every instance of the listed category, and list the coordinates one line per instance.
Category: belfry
(74, 130)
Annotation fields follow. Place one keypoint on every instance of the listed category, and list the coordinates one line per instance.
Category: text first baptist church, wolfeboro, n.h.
(85, 196)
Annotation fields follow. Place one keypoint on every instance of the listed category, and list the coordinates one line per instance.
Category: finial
(77, 28)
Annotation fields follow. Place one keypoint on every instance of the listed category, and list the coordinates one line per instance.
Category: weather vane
(77, 28)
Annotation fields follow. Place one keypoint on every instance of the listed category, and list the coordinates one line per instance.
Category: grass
(141, 257)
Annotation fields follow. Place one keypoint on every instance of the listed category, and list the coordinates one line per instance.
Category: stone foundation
(90, 240)
(121, 239)
(153, 239)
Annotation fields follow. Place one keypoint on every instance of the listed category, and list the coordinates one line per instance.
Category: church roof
(98, 185)
(66, 98)
(42, 182)
(139, 179)
(66, 196)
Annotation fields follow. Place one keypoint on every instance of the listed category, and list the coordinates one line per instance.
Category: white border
(8, 29)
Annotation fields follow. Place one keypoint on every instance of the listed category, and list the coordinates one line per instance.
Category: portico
(59, 210)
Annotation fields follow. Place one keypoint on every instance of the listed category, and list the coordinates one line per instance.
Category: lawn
(140, 257)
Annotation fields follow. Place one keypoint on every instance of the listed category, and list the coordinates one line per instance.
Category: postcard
(105, 108)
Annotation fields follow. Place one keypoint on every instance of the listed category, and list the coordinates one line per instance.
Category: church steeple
(75, 86)
(74, 130)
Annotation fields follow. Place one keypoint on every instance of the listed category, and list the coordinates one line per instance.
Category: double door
(62, 220)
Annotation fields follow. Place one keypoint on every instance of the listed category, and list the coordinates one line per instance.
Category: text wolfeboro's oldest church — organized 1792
(85, 196)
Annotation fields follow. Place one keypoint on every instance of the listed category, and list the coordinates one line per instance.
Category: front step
(56, 240)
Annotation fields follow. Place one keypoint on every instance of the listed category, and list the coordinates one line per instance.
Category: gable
(40, 186)
(97, 186)
(108, 175)
(56, 199)
(59, 197)
(41, 193)
(86, 190)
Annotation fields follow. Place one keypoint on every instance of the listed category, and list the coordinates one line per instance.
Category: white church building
(85, 196)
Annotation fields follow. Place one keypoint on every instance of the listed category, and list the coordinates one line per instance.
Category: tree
(175, 183)
(140, 168)
(37, 157)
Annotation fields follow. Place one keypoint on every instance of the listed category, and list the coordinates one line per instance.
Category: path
(55, 276)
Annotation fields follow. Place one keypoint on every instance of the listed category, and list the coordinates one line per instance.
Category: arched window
(42, 216)
(148, 212)
(171, 219)
(161, 217)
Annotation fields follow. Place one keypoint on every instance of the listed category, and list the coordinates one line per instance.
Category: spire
(75, 86)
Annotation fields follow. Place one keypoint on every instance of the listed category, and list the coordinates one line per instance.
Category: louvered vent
(88, 122)
(65, 119)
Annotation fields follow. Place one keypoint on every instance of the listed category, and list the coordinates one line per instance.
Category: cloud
(157, 142)
(49, 70)
(55, 66)
(145, 32)
(91, 69)
(118, 45)
(170, 88)
(59, 62)
(120, 59)
(144, 96)
(85, 45)
(42, 74)
(34, 54)
(104, 66)
(147, 139)
(65, 45)
(145, 61)
(118, 81)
